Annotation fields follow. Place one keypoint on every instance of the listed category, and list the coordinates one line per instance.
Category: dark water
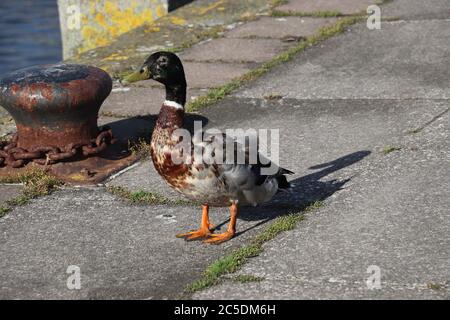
(29, 33)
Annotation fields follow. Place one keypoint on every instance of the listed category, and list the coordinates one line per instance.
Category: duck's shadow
(306, 191)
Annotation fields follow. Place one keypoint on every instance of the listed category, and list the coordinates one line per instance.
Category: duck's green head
(164, 67)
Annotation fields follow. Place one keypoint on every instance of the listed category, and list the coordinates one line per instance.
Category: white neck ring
(173, 104)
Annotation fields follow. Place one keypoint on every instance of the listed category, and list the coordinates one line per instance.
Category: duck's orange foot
(195, 235)
(219, 238)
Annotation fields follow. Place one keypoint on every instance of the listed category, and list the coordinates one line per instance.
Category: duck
(211, 183)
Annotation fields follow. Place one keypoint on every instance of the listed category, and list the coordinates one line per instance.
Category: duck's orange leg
(205, 227)
(231, 231)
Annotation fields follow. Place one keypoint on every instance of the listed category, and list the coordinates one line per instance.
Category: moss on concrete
(317, 14)
(36, 183)
(389, 149)
(215, 272)
(216, 94)
(4, 209)
(245, 278)
(144, 197)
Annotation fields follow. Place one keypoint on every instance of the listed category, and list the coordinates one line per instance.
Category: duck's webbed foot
(231, 231)
(205, 228)
(195, 235)
(219, 238)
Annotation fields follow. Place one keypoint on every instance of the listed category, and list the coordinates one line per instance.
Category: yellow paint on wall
(106, 20)
(92, 9)
(100, 19)
(160, 11)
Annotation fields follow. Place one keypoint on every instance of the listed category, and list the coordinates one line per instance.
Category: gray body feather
(218, 183)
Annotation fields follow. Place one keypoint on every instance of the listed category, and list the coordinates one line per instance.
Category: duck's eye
(143, 69)
(163, 60)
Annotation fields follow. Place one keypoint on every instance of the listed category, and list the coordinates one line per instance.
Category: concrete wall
(87, 24)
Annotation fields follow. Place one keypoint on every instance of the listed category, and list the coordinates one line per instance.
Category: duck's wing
(242, 167)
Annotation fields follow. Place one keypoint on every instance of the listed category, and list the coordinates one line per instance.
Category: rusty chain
(16, 157)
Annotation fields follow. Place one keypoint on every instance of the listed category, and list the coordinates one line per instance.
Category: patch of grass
(276, 3)
(228, 264)
(389, 149)
(273, 96)
(138, 197)
(414, 131)
(144, 197)
(141, 148)
(216, 94)
(235, 260)
(434, 286)
(20, 200)
(210, 33)
(36, 183)
(282, 224)
(112, 115)
(391, 19)
(4, 209)
(244, 278)
(317, 14)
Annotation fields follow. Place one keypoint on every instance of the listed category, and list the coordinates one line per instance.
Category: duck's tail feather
(285, 171)
(283, 184)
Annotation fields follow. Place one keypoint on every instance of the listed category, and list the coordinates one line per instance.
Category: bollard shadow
(133, 131)
(141, 127)
(306, 191)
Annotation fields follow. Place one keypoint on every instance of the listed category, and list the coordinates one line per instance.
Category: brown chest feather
(164, 147)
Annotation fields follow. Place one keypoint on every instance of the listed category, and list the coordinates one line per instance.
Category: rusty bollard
(55, 108)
